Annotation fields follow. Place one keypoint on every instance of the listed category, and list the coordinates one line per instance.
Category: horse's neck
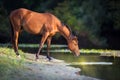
(65, 32)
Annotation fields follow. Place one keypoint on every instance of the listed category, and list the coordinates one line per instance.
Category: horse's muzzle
(76, 54)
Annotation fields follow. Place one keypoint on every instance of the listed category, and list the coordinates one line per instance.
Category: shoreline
(52, 70)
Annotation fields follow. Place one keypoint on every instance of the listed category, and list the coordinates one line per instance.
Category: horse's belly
(33, 29)
(32, 25)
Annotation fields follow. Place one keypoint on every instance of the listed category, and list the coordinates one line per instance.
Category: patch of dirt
(50, 70)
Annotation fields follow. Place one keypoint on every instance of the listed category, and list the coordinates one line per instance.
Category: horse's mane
(68, 28)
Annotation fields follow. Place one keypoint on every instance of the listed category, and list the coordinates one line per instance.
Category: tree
(4, 24)
(85, 17)
(93, 19)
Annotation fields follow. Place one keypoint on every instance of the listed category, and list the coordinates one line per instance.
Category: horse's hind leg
(48, 47)
(15, 42)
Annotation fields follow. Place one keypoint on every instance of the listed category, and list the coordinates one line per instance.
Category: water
(106, 68)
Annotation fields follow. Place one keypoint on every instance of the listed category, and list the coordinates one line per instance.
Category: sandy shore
(46, 70)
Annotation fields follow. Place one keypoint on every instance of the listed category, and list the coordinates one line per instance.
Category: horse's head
(73, 45)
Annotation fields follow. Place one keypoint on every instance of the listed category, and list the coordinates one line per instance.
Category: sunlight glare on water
(91, 63)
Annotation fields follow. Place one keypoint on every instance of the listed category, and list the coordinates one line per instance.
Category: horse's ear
(75, 38)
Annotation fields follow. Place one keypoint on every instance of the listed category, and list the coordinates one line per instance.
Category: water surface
(109, 69)
(106, 68)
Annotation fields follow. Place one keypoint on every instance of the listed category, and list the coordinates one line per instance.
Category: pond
(93, 65)
(106, 68)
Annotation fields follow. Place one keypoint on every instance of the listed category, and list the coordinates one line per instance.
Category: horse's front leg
(48, 47)
(44, 37)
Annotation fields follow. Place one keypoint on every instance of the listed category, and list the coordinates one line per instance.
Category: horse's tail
(12, 31)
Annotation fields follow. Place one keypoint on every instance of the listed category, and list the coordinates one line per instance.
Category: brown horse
(45, 24)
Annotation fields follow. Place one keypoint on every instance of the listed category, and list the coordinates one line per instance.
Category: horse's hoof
(18, 56)
(49, 58)
(37, 60)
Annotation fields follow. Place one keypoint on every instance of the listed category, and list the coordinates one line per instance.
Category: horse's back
(23, 13)
(34, 22)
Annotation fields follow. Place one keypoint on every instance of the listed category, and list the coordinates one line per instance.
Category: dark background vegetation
(95, 22)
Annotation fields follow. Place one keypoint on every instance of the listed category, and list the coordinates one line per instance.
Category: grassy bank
(12, 68)
(63, 48)
(9, 64)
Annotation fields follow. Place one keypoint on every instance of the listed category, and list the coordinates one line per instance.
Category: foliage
(114, 8)
(89, 18)
(85, 17)
(4, 23)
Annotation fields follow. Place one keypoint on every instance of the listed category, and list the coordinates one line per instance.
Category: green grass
(63, 48)
(10, 52)
(9, 64)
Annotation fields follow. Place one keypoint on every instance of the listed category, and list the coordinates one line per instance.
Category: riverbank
(52, 70)
(63, 48)
(26, 68)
